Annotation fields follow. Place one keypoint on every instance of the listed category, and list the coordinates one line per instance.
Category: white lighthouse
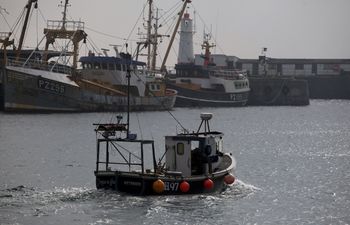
(185, 54)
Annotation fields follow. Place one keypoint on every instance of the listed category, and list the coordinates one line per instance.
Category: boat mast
(155, 44)
(25, 24)
(64, 15)
(206, 46)
(75, 33)
(162, 68)
(5, 41)
(149, 33)
(128, 110)
(128, 75)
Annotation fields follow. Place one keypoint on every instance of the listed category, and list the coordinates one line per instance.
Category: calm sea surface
(293, 167)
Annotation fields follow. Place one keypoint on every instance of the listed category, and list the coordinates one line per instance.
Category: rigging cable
(93, 45)
(206, 27)
(42, 15)
(108, 35)
(171, 13)
(15, 26)
(37, 24)
(132, 30)
(1, 10)
(162, 104)
(33, 51)
(28, 25)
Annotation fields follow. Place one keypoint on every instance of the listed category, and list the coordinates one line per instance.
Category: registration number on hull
(170, 186)
(51, 86)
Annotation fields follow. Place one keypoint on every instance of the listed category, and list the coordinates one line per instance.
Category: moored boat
(195, 163)
(34, 84)
(205, 84)
(148, 91)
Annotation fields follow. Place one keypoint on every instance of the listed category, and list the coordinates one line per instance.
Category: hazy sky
(288, 28)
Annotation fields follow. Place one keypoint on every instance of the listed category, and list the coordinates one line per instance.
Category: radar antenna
(205, 119)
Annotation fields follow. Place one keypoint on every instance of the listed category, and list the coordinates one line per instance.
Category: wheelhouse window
(118, 66)
(180, 148)
(330, 66)
(97, 66)
(299, 66)
(154, 87)
(194, 145)
(272, 66)
(111, 66)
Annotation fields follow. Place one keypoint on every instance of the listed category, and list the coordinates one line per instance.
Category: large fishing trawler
(205, 84)
(34, 84)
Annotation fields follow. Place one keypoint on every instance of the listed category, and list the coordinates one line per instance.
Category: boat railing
(39, 65)
(67, 25)
(228, 74)
(122, 156)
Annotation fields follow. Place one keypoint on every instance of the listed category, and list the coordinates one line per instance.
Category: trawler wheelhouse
(110, 63)
(194, 154)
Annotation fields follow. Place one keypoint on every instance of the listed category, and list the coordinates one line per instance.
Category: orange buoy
(208, 184)
(184, 186)
(229, 179)
(158, 186)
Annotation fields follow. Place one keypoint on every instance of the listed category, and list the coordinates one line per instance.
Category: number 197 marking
(170, 186)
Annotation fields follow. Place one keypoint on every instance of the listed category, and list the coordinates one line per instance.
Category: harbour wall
(271, 91)
(328, 87)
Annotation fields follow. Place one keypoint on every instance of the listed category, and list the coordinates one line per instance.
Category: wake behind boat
(195, 163)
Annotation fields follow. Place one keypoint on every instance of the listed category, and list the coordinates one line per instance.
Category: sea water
(293, 167)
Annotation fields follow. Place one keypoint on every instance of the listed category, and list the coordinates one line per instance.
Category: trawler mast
(151, 39)
(151, 42)
(25, 24)
(64, 20)
(73, 30)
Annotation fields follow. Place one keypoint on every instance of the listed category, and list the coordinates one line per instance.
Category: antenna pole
(155, 43)
(128, 118)
(65, 15)
(149, 34)
(128, 76)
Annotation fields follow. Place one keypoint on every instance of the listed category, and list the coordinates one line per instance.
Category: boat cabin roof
(110, 59)
(197, 136)
(34, 54)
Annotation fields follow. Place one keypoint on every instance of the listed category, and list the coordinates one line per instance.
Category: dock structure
(288, 81)
(278, 91)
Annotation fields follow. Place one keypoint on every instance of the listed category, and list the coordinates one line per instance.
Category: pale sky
(288, 28)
